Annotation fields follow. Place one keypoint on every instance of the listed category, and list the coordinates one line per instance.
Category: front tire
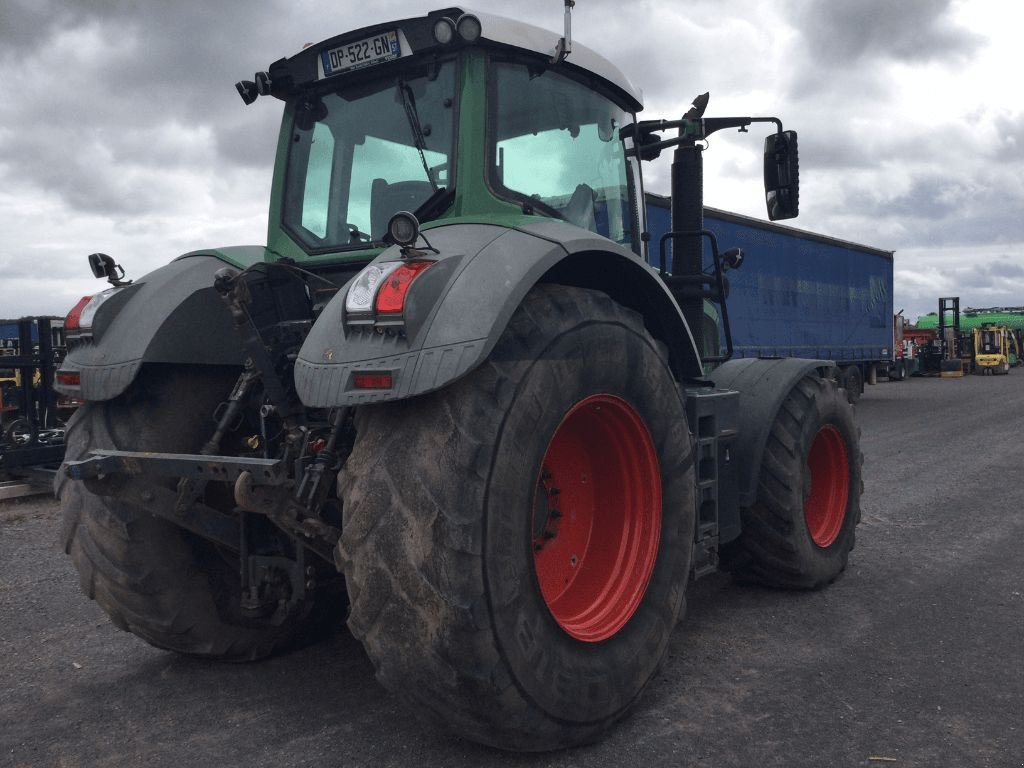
(800, 531)
(517, 546)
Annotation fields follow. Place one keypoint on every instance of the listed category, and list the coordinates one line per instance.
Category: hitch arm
(136, 463)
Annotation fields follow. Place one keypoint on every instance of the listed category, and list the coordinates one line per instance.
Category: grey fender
(458, 308)
(172, 315)
(763, 386)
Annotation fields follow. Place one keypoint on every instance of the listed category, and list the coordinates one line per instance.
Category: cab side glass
(782, 176)
(555, 149)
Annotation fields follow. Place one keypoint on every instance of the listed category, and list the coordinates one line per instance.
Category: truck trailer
(449, 400)
(799, 294)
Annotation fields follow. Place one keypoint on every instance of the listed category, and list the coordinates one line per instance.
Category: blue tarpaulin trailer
(799, 294)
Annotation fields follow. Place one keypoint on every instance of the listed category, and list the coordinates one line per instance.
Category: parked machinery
(32, 413)
(995, 349)
(452, 376)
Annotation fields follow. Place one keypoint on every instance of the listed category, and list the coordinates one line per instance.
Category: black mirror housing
(782, 175)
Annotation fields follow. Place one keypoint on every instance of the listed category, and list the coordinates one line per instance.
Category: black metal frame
(45, 446)
(703, 286)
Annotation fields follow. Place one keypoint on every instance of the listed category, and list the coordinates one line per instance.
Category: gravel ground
(915, 657)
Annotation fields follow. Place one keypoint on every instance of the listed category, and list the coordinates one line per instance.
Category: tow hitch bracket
(134, 463)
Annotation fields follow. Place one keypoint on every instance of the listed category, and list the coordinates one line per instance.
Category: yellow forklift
(995, 349)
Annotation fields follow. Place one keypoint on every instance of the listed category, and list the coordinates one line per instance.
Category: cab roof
(295, 74)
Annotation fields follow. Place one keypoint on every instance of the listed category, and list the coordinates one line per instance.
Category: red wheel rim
(829, 467)
(597, 518)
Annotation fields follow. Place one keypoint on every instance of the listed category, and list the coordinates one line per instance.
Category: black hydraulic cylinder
(688, 217)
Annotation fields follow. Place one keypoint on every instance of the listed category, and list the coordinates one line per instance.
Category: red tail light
(392, 292)
(372, 380)
(69, 378)
(71, 322)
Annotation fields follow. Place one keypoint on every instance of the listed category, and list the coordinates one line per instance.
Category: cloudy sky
(121, 132)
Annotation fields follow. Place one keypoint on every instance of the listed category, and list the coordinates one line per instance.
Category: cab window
(554, 147)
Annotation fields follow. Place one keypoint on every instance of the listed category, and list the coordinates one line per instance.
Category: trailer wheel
(853, 383)
(517, 546)
(799, 532)
(20, 433)
(154, 579)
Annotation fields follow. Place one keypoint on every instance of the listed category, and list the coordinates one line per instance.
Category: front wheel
(516, 546)
(800, 531)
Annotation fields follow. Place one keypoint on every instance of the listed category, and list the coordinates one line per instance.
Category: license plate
(362, 53)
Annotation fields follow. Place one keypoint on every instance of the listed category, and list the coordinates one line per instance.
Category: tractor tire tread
(418, 599)
(773, 549)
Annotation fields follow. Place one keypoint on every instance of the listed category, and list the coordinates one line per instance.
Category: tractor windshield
(366, 151)
(556, 148)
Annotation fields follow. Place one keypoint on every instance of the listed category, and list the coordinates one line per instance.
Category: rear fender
(458, 308)
(172, 315)
(763, 386)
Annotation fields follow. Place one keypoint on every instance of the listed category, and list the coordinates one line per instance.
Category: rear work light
(381, 289)
(469, 27)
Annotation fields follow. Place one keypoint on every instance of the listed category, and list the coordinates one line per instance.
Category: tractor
(450, 401)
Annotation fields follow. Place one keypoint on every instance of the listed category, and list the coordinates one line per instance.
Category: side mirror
(782, 175)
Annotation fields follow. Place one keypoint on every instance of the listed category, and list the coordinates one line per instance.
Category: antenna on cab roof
(564, 47)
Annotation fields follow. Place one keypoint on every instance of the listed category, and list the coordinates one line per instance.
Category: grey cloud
(843, 33)
(984, 284)
(143, 74)
(249, 142)
(1009, 137)
(992, 274)
(847, 44)
(25, 23)
(931, 197)
(942, 209)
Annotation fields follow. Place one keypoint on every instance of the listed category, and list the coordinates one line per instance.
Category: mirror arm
(712, 124)
(691, 130)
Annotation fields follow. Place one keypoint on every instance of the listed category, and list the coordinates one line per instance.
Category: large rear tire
(170, 587)
(800, 531)
(516, 546)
